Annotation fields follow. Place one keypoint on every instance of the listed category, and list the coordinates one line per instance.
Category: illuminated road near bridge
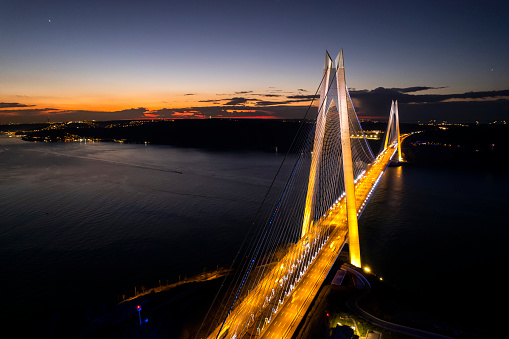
(294, 309)
(272, 298)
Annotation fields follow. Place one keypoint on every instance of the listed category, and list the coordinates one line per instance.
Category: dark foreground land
(391, 311)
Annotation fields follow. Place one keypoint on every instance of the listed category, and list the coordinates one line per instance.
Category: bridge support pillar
(346, 149)
(397, 129)
(393, 129)
(334, 92)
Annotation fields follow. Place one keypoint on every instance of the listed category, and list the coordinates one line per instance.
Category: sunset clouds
(415, 105)
(68, 60)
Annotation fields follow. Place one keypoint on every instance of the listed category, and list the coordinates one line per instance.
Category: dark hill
(213, 133)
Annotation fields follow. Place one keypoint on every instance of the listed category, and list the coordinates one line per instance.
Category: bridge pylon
(334, 100)
(392, 135)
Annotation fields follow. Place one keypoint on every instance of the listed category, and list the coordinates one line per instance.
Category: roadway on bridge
(289, 316)
(245, 319)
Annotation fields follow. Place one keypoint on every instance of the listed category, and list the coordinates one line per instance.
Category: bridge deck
(288, 318)
(244, 320)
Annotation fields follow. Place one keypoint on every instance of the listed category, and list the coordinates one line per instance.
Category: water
(82, 224)
(440, 233)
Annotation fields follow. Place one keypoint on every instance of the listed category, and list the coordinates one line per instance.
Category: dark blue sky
(67, 58)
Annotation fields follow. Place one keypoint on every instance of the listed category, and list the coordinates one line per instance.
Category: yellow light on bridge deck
(367, 269)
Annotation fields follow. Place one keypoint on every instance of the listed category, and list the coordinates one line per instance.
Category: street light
(139, 312)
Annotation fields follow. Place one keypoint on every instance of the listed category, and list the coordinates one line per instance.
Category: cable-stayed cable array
(278, 252)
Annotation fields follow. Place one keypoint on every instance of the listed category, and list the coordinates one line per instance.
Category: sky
(105, 60)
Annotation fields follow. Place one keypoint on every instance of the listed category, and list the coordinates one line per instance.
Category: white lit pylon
(334, 100)
(392, 134)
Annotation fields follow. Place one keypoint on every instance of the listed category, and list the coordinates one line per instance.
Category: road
(274, 308)
(354, 307)
(288, 318)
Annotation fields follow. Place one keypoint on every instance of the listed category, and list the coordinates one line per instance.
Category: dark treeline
(471, 146)
(211, 134)
(23, 127)
(227, 134)
(478, 145)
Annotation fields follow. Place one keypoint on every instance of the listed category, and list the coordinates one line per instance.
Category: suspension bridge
(329, 178)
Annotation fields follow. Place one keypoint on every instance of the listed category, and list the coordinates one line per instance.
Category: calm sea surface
(85, 222)
(81, 222)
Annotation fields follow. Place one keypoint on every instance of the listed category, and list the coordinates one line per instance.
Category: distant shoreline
(202, 277)
(452, 144)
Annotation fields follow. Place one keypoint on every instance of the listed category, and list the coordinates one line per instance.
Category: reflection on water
(88, 222)
(427, 229)
(399, 172)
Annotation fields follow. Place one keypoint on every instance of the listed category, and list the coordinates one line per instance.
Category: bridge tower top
(334, 100)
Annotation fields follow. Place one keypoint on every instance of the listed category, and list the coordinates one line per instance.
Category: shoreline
(202, 277)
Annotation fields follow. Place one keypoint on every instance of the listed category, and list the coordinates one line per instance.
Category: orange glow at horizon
(97, 105)
(251, 117)
(241, 110)
(110, 103)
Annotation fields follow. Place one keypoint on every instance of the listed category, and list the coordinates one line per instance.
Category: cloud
(54, 114)
(385, 94)
(188, 114)
(270, 95)
(484, 94)
(414, 89)
(303, 97)
(375, 104)
(258, 99)
(269, 103)
(237, 101)
(462, 111)
(26, 112)
(187, 94)
(231, 112)
(414, 107)
(13, 105)
(209, 100)
(169, 113)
